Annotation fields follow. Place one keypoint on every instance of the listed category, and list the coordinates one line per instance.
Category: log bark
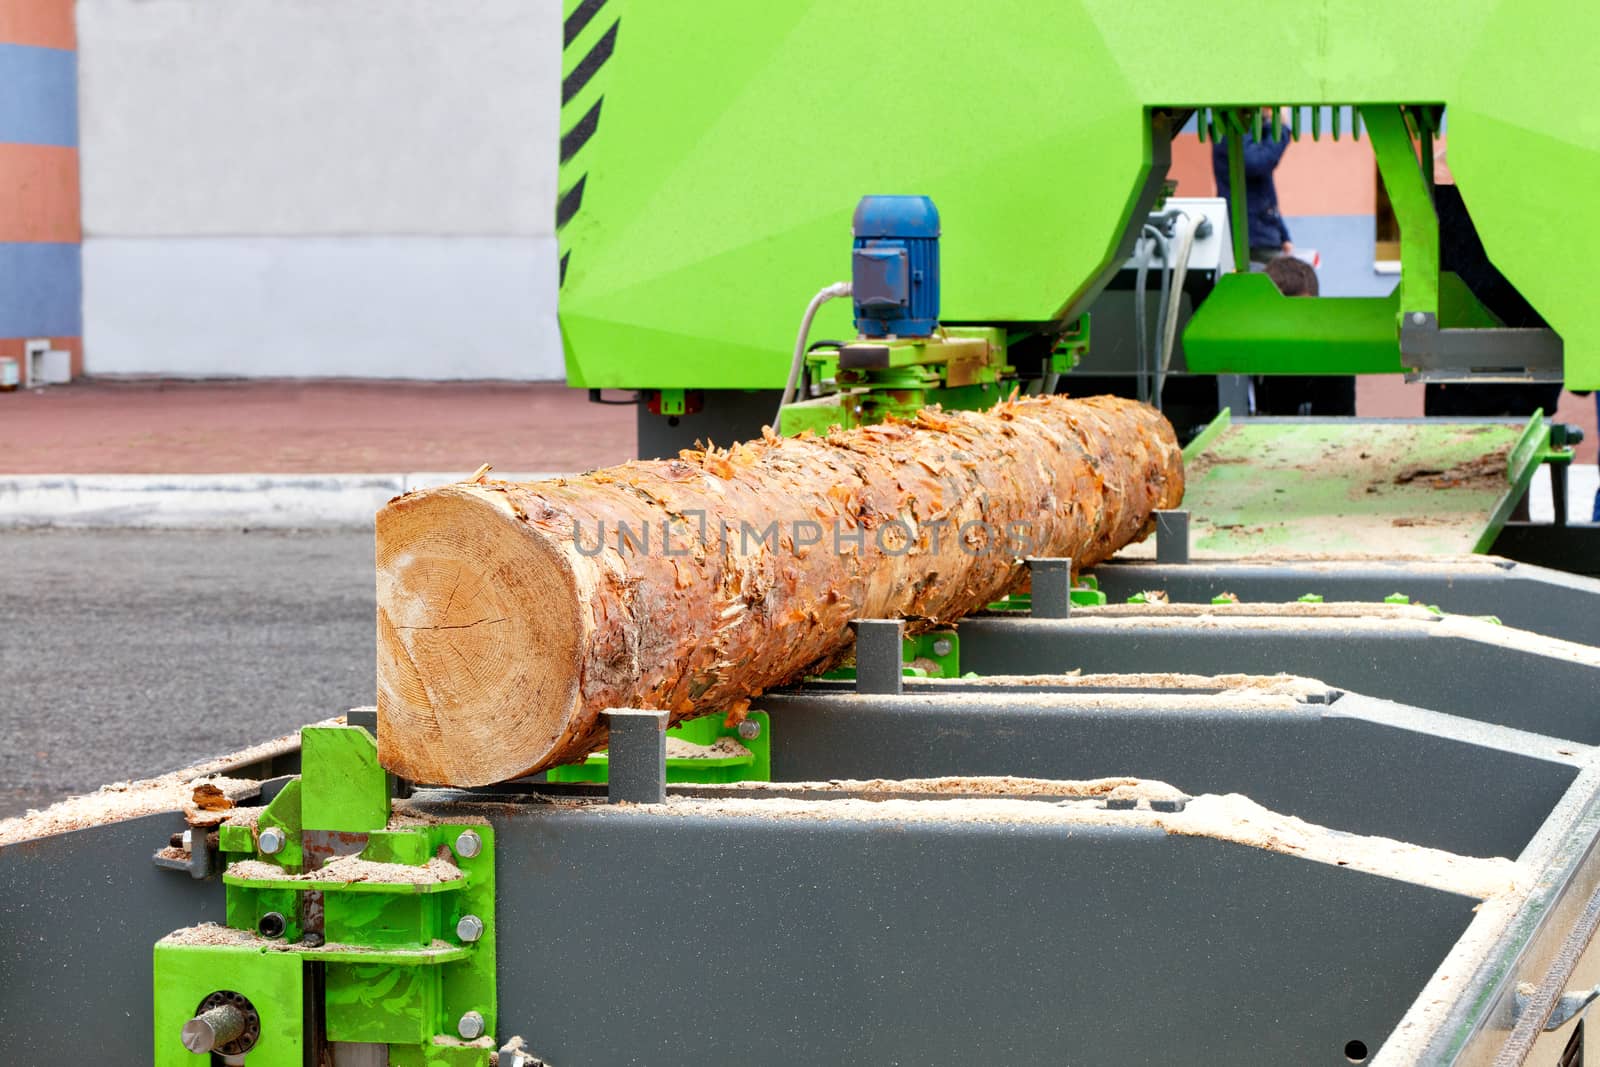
(511, 615)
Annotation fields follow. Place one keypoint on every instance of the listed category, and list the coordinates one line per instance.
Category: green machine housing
(710, 164)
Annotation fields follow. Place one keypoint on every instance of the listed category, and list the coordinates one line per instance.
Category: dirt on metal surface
(1298, 491)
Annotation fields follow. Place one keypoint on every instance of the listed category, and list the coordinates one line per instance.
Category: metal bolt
(188, 841)
(216, 1027)
(1418, 317)
(469, 928)
(468, 844)
(942, 647)
(470, 1027)
(750, 729)
(272, 840)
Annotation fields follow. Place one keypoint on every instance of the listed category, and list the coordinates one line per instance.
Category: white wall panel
(288, 117)
(381, 307)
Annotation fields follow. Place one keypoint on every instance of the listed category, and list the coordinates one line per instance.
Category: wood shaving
(721, 748)
(995, 786)
(1219, 684)
(213, 935)
(350, 869)
(121, 801)
(1232, 818)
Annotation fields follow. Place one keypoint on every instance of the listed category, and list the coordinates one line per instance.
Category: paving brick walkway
(110, 427)
(158, 427)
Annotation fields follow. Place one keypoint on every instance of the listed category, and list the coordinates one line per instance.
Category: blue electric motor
(894, 272)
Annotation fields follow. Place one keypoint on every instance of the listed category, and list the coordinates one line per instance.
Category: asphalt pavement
(125, 654)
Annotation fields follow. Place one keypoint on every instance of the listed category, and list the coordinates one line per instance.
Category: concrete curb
(209, 501)
(328, 501)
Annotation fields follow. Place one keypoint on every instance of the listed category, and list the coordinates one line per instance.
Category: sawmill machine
(697, 214)
(1312, 778)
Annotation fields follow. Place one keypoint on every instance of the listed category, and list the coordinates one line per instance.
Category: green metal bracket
(352, 790)
(283, 814)
(1238, 214)
(935, 654)
(273, 982)
(1203, 440)
(962, 368)
(1247, 327)
(1085, 592)
(674, 401)
(407, 959)
(1533, 449)
(1071, 347)
(1413, 208)
(754, 734)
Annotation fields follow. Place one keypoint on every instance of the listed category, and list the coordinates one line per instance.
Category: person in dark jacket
(1269, 237)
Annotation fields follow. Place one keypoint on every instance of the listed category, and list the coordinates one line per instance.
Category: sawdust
(1045, 692)
(348, 869)
(1246, 622)
(1214, 684)
(1339, 609)
(172, 852)
(212, 935)
(173, 792)
(248, 817)
(1237, 818)
(1485, 471)
(130, 800)
(1232, 818)
(721, 748)
(987, 786)
(1522, 640)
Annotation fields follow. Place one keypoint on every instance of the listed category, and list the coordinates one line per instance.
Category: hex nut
(468, 844)
(272, 841)
(469, 928)
(942, 646)
(750, 729)
(470, 1027)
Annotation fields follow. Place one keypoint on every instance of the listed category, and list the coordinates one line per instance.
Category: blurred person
(1269, 236)
(1302, 394)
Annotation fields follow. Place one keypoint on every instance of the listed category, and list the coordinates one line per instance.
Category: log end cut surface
(460, 656)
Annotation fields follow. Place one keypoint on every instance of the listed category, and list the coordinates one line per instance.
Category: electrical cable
(827, 293)
(1179, 264)
(1143, 367)
(1142, 249)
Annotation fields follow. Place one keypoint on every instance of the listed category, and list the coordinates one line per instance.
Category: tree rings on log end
(463, 665)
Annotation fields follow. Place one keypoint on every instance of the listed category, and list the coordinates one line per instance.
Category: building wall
(40, 262)
(296, 187)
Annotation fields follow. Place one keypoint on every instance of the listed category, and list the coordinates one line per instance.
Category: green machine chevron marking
(711, 161)
(407, 963)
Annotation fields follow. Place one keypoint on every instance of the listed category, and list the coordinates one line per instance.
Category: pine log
(510, 615)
